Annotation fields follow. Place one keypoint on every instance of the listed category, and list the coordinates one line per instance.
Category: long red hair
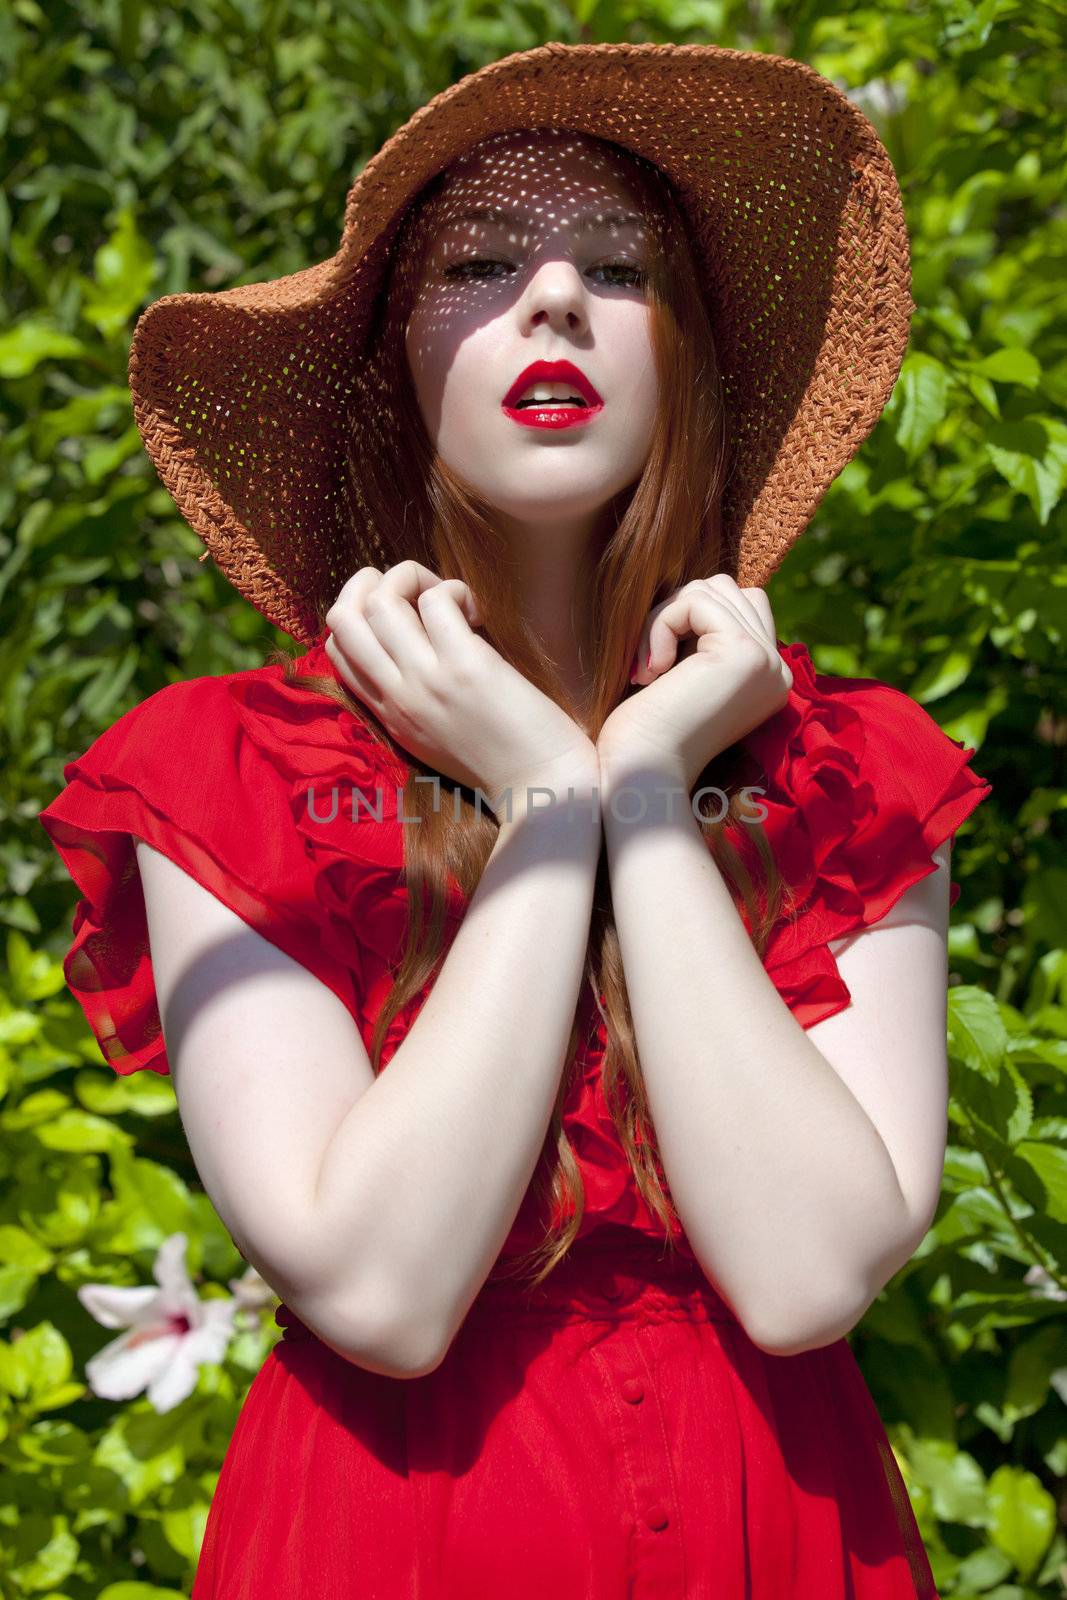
(662, 532)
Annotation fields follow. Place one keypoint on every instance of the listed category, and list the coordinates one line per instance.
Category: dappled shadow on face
(527, 229)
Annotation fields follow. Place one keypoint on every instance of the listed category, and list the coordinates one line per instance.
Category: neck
(553, 571)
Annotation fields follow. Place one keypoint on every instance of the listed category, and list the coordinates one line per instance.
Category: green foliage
(154, 149)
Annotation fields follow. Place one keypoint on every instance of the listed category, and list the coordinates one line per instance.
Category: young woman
(657, 967)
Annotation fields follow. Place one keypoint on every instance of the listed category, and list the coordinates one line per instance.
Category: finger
(351, 674)
(752, 603)
(411, 579)
(645, 667)
(445, 611)
(406, 579)
(361, 659)
(462, 595)
(696, 610)
(693, 612)
(667, 649)
(391, 611)
(758, 598)
(352, 592)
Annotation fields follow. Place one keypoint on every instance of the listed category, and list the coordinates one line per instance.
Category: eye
(464, 269)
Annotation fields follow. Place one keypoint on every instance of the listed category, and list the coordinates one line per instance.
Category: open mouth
(551, 405)
(547, 396)
(547, 384)
(552, 395)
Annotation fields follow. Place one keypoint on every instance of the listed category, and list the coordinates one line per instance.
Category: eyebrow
(585, 222)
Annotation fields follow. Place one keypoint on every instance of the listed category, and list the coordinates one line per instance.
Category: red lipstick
(552, 416)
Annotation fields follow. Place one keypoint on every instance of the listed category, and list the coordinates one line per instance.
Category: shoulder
(859, 741)
(227, 725)
(209, 772)
(864, 791)
(213, 759)
(889, 714)
(182, 720)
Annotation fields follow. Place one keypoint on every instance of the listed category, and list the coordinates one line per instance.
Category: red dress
(622, 1436)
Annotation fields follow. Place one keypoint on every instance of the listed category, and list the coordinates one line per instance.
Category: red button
(657, 1518)
(633, 1390)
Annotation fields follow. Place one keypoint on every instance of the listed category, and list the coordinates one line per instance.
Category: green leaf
(34, 974)
(1030, 1369)
(36, 1363)
(42, 1552)
(954, 1478)
(33, 340)
(1010, 365)
(1049, 1163)
(943, 674)
(1022, 1517)
(125, 268)
(976, 1034)
(925, 385)
(80, 1130)
(138, 1591)
(1032, 457)
(984, 393)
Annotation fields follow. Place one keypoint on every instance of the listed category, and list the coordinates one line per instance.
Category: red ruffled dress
(622, 1435)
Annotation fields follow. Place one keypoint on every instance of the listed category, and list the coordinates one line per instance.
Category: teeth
(539, 393)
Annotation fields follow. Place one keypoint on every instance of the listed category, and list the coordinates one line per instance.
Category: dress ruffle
(178, 772)
(345, 791)
(862, 786)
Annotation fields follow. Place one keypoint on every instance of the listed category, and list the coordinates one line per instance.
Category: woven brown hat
(244, 396)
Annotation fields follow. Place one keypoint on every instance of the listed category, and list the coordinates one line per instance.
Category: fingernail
(648, 663)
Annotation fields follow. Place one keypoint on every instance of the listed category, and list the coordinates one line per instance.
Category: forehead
(536, 179)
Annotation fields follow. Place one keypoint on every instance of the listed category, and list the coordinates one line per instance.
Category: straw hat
(244, 396)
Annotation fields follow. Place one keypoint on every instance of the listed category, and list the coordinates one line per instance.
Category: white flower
(1047, 1287)
(172, 1332)
(251, 1292)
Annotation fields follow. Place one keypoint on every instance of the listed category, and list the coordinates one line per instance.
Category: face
(563, 282)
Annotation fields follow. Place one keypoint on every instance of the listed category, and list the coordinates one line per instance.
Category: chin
(552, 511)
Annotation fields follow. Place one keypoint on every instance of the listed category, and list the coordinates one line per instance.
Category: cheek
(424, 359)
(451, 366)
(473, 376)
(634, 366)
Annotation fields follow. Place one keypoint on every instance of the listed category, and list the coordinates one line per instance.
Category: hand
(403, 642)
(690, 709)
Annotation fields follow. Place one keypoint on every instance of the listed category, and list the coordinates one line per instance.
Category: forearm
(780, 1178)
(421, 1182)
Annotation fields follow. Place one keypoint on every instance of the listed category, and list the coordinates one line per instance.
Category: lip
(553, 417)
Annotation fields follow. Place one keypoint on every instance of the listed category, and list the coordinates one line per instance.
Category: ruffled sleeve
(180, 772)
(862, 786)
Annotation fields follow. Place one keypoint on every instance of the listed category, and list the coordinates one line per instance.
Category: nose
(555, 294)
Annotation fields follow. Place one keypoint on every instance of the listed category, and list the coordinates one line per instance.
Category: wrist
(643, 795)
(568, 786)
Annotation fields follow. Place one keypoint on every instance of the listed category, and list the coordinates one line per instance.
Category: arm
(422, 1180)
(376, 1206)
(800, 1198)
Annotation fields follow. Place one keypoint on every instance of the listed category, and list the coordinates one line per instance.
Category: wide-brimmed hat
(244, 396)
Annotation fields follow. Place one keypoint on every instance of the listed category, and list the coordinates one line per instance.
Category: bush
(150, 150)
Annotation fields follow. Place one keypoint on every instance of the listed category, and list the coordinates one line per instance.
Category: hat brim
(796, 214)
